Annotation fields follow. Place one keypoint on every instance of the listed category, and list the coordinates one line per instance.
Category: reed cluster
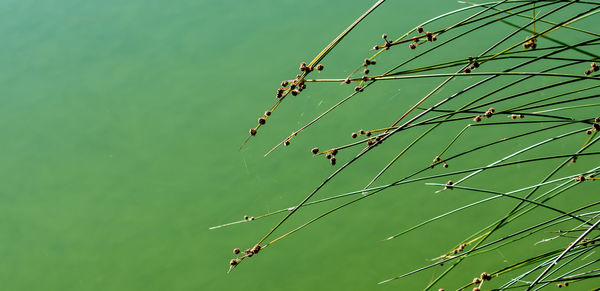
(533, 81)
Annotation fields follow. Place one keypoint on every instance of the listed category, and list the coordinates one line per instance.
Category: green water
(120, 124)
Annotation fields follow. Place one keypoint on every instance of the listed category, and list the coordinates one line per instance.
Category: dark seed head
(412, 46)
(434, 38)
(320, 67)
(354, 135)
(366, 71)
(373, 62)
(262, 120)
(315, 151)
(384, 36)
(361, 132)
(366, 62)
(587, 72)
(295, 92)
(365, 77)
(268, 113)
(368, 133)
(284, 83)
(596, 126)
(485, 276)
(429, 36)
(347, 81)
(467, 70)
(286, 142)
(332, 161)
(334, 152)
(477, 118)
(251, 218)
(445, 165)
(357, 88)
(252, 132)
(328, 156)
(476, 64)
(420, 29)
(597, 120)
(248, 253)
(588, 132)
(256, 249)
(476, 280)
(376, 47)
(233, 262)
(236, 251)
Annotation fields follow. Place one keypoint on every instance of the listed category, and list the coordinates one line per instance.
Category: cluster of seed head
(530, 44)
(487, 114)
(473, 64)
(563, 284)
(436, 160)
(594, 68)
(295, 87)
(478, 280)
(247, 218)
(461, 247)
(595, 126)
(248, 253)
(515, 116)
(370, 141)
(428, 35)
(330, 154)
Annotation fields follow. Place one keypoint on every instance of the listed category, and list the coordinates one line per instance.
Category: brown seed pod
(347, 81)
(485, 276)
(284, 83)
(286, 142)
(384, 36)
(366, 71)
(476, 289)
(587, 72)
(251, 218)
(597, 120)
(436, 159)
(476, 280)
(354, 135)
(420, 29)
(376, 47)
(320, 67)
(295, 92)
(361, 132)
(262, 120)
(429, 36)
(328, 156)
(434, 38)
(366, 62)
(256, 249)
(245, 217)
(315, 151)
(252, 132)
(293, 86)
(476, 64)
(445, 165)
(332, 161)
(334, 152)
(588, 132)
(412, 46)
(248, 253)
(368, 133)
(233, 262)
(365, 78)
(596, 126)
(477, 118)
(521, 116)
(467, 70)
(492, 110)
(236, 251)
(268, 113)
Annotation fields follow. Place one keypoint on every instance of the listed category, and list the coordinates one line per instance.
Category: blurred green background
(121, 123)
